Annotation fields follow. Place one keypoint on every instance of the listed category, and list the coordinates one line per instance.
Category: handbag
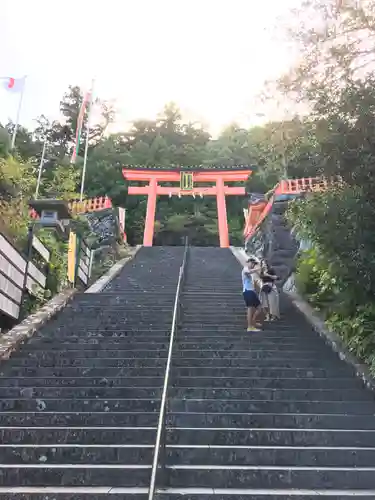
(266, 288)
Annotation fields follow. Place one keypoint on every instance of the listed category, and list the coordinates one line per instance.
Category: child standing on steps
(250, 295)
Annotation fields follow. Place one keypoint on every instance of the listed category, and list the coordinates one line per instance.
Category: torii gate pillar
(148, 234)
(222, 214)
(217, 177)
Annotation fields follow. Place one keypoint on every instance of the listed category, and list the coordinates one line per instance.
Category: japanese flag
(12, 84)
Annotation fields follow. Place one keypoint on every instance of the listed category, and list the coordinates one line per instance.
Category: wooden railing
(303, 185)
(90, 205)
(81, 207)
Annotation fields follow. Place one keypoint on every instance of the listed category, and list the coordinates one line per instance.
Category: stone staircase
(80, 401)
(273, 415)
(273, 240)
(283, 248)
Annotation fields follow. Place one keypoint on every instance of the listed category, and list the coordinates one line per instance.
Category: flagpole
(87, 141)
(18, 115)
(41, 167)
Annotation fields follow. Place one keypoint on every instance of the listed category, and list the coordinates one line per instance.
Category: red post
(222, 214)
(150, 214)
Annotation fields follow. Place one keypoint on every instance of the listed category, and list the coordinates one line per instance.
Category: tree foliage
(168, 140)
(334, 78)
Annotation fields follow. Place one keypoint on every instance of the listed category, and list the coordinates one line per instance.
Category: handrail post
(160, 443)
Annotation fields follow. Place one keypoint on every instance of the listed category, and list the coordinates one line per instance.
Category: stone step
(271, 477)
(69, 493)
(119, 313)
(197, 339)
(262, 338)
(124, 312)
(223, 281)
(114, 323)
(270, 437)
(75, 343)
(249, 344)
(142, 300)
(266, 394)
(79, 382)
(215, 290)
(236, 316)
(259, 354)
(229, 330)
(101, 345)
(258, 420)
(152, 362)
(98, 493)
(73, 419)
(249, 362)
(60, 453)
(303, 456)
(257, 340)
(54, 356)
(80, 405)
(186, 371)
(219, 290)
(188, 436)
(125, 296)
(236, 304)
(125, 306)
(262, 383)
(155, 352)
(161, 284)
(201, 420)
(78, 435)
(222, 382)
(83, 392)
(105, 334)
(262, 406)
(318, 395)
(73, 475)
(81, 372)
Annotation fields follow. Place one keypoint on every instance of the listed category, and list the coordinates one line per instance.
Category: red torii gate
(218, 175)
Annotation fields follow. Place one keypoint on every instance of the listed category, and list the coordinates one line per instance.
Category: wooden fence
(84, 262)
(80, 258)
(18, 276)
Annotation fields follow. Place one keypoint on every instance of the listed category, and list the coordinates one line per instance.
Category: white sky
(209, 56)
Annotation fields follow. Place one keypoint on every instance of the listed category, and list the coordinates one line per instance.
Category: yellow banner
(186, 181)
(72, 255)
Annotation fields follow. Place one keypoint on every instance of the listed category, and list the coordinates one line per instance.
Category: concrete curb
(103, 281)
(11, 340)
(331, 338)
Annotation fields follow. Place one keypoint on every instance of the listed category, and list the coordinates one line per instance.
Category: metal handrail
(160, 433)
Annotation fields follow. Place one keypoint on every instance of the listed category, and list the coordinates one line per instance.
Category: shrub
(337, 275)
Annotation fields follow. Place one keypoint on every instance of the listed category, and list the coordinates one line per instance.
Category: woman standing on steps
(269, 295)
(250, 295)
